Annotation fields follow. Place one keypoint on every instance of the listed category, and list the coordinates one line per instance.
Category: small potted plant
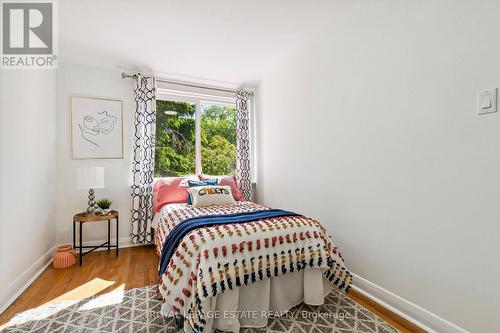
(104, 205)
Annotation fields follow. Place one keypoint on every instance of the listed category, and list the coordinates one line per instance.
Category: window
(218, 139)
(175, 149)
(194, 136)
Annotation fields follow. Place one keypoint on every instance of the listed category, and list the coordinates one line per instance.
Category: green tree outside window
(175, 139)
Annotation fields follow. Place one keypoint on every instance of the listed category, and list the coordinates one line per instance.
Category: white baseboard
(25, 279)
(410, 311)
(123, 242)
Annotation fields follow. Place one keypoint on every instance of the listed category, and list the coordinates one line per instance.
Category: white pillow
(211, 195)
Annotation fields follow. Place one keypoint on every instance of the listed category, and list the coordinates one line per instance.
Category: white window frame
(198, 100)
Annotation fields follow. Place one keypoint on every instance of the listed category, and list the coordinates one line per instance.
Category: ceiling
(235, 42)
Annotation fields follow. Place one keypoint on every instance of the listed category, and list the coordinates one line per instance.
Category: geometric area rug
(137, 310)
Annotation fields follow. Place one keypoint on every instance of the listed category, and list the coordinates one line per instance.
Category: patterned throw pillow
(211, 195)
(229, 181)
(195, 183)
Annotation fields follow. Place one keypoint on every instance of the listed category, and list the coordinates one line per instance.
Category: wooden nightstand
(85, 218)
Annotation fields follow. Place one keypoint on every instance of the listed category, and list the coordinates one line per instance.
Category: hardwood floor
(100, 273)
(135, 267)
(400, 323)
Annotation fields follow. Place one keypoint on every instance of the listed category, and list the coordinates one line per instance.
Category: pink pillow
(170, 190)
(227, 181)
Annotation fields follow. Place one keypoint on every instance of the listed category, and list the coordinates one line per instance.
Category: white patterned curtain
(143, 163)
(243, 144)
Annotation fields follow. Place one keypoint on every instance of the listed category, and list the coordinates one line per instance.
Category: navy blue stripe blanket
(182, 229)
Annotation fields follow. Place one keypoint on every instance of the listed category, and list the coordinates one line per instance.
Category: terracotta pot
(64, 257)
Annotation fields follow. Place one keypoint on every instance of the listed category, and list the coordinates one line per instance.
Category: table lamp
(90, 179)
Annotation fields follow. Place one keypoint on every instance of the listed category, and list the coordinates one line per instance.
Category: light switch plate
(487, 101)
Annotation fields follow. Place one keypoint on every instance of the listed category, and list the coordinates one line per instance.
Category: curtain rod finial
(127, 76)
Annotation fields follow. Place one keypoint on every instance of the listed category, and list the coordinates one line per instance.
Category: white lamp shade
(87, 178)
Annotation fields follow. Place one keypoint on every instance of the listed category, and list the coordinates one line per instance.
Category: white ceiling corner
(231, 42)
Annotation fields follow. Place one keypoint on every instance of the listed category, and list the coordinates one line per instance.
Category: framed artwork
(96, 128)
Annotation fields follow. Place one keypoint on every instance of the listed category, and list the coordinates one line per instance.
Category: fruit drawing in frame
(91, 128)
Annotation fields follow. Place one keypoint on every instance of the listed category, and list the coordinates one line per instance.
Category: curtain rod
(134, 76)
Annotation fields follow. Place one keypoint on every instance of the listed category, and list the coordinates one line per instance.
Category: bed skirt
(252, 305)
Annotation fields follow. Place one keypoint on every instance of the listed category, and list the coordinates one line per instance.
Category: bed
(237, 265)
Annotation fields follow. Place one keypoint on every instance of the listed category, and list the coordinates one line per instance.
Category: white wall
(27, 176)
(372, 129)
(75, 80)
